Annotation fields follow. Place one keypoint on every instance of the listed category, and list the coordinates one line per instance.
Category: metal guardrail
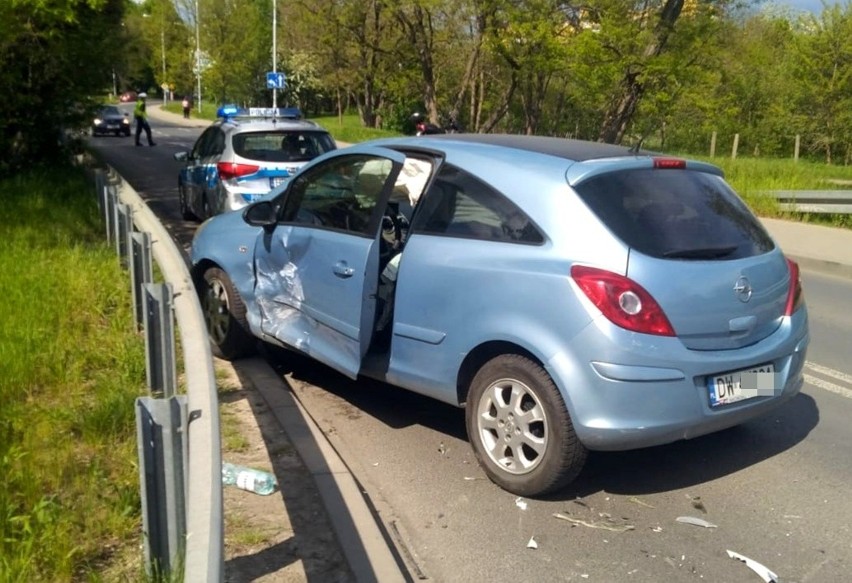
(814, 201)
(179, 443)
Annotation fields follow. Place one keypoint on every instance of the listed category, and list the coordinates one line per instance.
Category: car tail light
(664, 163)
(624, 302)
(228, 170)
(795, 295)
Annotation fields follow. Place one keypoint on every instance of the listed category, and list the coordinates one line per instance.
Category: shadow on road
(643, 471)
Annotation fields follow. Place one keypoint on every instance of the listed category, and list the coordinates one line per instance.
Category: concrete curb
(364, 544)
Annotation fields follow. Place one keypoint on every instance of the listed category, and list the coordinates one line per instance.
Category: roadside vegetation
(71, 366)
(750, 177)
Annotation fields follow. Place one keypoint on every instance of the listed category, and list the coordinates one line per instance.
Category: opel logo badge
(743, 289)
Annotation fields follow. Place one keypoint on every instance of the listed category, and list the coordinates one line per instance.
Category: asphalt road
(776, 489)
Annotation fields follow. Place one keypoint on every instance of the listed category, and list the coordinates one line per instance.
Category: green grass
(752, 177)
(71, 366)
(348, 129)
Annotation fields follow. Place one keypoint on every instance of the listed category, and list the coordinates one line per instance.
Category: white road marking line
(830, 372)
(843, 392)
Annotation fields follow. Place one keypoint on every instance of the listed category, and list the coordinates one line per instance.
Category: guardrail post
(141, 272)
(123, 227)
(100, 184)
(110, 200)
(162, 450)
(159, 339)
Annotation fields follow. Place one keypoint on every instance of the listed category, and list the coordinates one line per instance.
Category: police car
(243, 155)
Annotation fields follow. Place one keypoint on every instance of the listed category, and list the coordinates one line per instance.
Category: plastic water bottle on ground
(249, 479)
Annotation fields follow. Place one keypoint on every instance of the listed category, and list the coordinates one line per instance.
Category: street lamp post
(197, 56)
(274, 51)
(163, 48)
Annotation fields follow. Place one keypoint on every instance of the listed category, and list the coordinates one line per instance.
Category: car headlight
(98, 121)
(125, 121)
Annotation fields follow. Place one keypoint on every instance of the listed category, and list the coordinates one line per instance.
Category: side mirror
(261, 214)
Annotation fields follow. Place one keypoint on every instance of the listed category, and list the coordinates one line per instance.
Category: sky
(814, 6)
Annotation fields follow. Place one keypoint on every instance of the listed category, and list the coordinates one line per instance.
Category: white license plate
(739, 385)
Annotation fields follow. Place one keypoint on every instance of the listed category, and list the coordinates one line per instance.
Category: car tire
(225, 316)
(205, 207)
(185, 213)
(520, 429)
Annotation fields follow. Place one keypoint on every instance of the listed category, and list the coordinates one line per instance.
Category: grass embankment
(752, 177)
(71, 366)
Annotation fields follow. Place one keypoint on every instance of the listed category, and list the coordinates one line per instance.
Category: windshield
(280, 146)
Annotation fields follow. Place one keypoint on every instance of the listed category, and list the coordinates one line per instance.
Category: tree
(42, 45)
(823, 72)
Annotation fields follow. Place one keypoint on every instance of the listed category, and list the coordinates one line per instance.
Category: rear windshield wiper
(701, 252)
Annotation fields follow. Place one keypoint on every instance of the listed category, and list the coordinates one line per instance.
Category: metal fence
(814, 201)
(178, 434)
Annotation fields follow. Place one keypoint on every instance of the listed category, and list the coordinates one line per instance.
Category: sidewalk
(815, 247)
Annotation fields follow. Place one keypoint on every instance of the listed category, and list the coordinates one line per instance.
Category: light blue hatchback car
(572, 296)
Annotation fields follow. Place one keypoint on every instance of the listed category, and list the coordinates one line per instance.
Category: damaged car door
(317, 268)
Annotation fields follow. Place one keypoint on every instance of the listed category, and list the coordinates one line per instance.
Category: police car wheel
(185, 211)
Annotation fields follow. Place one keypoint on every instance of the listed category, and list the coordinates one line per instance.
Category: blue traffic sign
(275, 80)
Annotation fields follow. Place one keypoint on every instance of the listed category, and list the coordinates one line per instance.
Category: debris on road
(764, 573)
(601, 525)
(521, 503)
(697, 503)
(696, 521)
(532, 544)
(636, 500)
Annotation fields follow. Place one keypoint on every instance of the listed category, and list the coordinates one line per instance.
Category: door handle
(342, 269)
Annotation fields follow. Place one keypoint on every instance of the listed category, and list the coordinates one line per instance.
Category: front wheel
(225, 316)
(519, 428)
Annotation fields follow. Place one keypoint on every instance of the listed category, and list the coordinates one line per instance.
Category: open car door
(317, 269)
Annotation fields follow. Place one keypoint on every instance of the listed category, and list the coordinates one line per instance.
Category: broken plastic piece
(696, 521)
(521, 503)
(636, 500)
(765, 574)
(532, 544)
(602, 525)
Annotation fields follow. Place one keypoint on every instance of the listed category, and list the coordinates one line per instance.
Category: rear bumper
(626, 391)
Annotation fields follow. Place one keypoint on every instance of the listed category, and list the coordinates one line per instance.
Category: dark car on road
(111, 120)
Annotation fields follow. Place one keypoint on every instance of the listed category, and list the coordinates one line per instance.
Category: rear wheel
(520, 429)
(225, 316)
(205, 208)
(185, 212)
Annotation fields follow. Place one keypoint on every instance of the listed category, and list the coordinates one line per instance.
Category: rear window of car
(278, 146)
(675, 214)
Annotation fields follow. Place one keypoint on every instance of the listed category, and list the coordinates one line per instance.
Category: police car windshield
(282, 146)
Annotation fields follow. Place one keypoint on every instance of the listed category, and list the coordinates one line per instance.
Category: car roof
(267, 124)
(569, 149)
